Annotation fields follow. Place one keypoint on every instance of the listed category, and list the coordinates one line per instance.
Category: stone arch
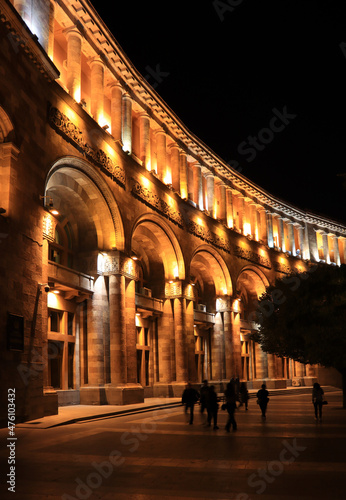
(79, 192)
(251, 283)
(6, 127)
(210, 273)
(156, 246)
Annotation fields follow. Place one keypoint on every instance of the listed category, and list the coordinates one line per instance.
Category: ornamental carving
(108, 265)
(151, 199)
(251, 256)
(207, 235)
(282, 268)
(70, 131)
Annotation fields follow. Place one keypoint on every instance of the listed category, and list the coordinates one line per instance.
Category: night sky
(262, 83)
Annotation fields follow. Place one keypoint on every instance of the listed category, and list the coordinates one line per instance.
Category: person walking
(230, 406)
(189, 399)
(204, 396)
(317, 399)
(212, 407)
(244, 395)
(263, 399)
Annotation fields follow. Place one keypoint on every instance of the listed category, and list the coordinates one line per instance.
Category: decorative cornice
(23, 40)
(63, 125)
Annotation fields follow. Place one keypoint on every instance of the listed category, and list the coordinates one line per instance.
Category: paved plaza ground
(153, 453)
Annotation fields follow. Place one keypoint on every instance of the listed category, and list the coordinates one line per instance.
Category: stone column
(97, 89)
(269, 225)
(210, 193)
(229, 207)
(117, 320)
(50, 51)
(175, 166)
(292, 243)
(198, 186)
(282, 244)
(261, 363)
(95, 334)
(222, 212)
(180, 335)
(23, 8)
(161, 156)
(165, 348)
(262, 225)
(144, 140)
(190, 340)
(131, 333)
(127, 124)
(184, 190)
(253, 220)
(74, 68)
(271, 366)
(217, 351)
(116, 110)
(325, 248)
(228, 333)
(241, 211)
(336, 250)
(236, 345)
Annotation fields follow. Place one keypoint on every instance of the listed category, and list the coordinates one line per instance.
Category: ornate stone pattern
(118, 264)
(282, 268)
(207, 235)
(48, 227)
(151, 199)
(251, 256)
(63, 124)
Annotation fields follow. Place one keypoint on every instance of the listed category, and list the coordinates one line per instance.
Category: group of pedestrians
(235, 392)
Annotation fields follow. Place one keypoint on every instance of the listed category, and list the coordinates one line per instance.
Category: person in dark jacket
(244, 395)
(263, 399)
(212, 406)
(317, 399)
(189, 399)
(230, 406)
(204, 396)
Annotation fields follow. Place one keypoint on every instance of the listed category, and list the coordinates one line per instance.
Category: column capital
(115, 262)
(95, 60)
(173, 145)
(159, 131)
(72, 30)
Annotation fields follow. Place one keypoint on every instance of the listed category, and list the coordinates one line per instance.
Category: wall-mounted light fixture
(49, 205)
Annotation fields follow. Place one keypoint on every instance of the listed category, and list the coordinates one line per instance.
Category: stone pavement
(149, 454)
(77, 413)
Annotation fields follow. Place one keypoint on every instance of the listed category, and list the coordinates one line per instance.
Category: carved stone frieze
(151, 199)
(71, 132)
(251, 256)
(117, 263)
(207, 235)
(282, 268)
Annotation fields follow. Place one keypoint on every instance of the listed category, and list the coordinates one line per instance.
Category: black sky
(226, 73)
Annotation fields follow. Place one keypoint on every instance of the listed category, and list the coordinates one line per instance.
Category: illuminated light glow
(52, 300)
(77, 94)
(145, 182)
(236, 306)
(230, 222)
(183, 193)
(176, 272)
(168, 178)
(199, 221)
(127, 146)
(247, 228)
(148, 165)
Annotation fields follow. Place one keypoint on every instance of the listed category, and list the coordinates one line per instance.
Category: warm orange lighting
(247, 228)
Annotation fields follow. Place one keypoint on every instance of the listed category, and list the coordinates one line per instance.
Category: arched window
(61, 249)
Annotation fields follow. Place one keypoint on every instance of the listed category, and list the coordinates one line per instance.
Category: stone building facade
(132, 256)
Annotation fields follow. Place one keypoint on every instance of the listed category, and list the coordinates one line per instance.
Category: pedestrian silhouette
(262, 400)
(230, 406)
(212, 407)
(189, 399)
(317, 399)
(244, 395)
(204, 396)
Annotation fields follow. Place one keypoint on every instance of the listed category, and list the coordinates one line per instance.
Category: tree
(303, 317)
